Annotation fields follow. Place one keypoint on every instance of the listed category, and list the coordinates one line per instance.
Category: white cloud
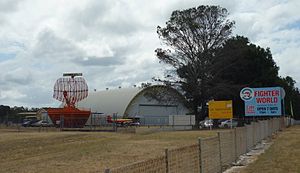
(273, 24)
(11, 94)
(112, 42)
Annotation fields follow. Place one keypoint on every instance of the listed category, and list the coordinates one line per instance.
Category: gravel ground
(245, 159)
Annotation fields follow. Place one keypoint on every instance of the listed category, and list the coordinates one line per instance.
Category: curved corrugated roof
(110, 101)
(117, 100)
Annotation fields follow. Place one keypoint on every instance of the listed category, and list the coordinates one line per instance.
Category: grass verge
(282, 156)
(84, 151)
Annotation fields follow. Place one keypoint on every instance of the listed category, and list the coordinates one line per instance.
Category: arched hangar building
(152, 105)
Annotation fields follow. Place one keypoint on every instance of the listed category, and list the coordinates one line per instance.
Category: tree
(193, 36)
(292, 96)
(4, 111)
(241, 63)
(238, 64)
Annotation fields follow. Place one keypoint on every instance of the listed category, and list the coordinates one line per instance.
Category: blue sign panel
(262, 101)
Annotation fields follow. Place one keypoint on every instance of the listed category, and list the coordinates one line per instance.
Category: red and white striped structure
(70, 90)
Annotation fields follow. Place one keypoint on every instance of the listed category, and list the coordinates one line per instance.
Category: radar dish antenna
(70, 89)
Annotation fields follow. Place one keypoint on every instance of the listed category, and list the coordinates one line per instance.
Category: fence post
(61, 122)
(271, 127)
(259, 132)
(235, 145)
(279, 124)
(167, 159)
(173, 121)
(246, 143)
(220, 152)
(267, 129)
(200, 155)
(274, 126)
(107, 171)
(253, 130)
(262, 130)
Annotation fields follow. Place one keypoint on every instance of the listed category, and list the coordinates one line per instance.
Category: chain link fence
(210, 155)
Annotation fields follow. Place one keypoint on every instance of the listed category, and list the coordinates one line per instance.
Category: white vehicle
(228, 124)
(206, 123)
(41, 123)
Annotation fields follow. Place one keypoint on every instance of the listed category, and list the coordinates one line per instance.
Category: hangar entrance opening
(152, 114)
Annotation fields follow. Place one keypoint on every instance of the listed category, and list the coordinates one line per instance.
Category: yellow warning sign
(220, 109)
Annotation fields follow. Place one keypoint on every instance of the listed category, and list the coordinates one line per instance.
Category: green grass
(282, 157)
(84, 151)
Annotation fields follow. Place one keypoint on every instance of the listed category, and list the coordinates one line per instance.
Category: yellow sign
(220, 109)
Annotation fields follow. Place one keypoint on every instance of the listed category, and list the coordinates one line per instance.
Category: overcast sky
(112, 42)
